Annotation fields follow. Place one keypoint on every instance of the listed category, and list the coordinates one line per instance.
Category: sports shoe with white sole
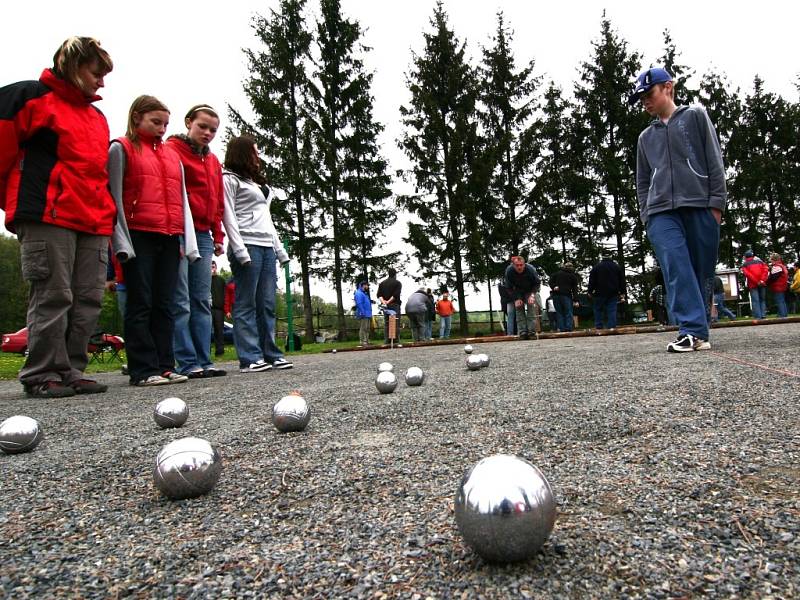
(256, 367)
(282, 363)
(686, 342)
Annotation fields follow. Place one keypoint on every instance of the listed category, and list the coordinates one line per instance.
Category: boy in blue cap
(680, 184)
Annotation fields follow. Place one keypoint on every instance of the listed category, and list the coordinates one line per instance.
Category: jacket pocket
(35, 264)
(691, 168)
(653, 179)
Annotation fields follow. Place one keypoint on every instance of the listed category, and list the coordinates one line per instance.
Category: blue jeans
(719, 300)
(254, 306)
(600, 305)
(758, 302)
(444, 326)
(428, 328)
(780, 302)
(191, 309)
(511, 319)
(564, 311)
(686, 241)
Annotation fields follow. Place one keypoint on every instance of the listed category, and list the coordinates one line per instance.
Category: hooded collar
(194, 146)
(658, 122)
(65, 89)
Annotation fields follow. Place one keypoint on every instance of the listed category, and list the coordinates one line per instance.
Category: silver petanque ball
(386, 366)
(20, 434)
(171, 412)
(334, 350)
(468, 348)
(474, 362)
(504, 508)
(414, 376)
(291, 413)
(484, 359)
(386, 382)
(187, 468)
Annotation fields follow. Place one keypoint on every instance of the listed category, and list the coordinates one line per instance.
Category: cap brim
(635, 96)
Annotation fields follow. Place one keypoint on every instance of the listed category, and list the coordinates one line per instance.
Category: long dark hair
(239, 158)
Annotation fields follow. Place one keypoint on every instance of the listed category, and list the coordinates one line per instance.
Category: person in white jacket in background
(253, 248)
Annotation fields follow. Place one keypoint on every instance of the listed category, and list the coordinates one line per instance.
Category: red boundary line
(752, 364)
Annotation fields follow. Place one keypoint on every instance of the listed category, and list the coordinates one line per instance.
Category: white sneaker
(256, 367)
(688, 343)
(282, 363)
(152, 380)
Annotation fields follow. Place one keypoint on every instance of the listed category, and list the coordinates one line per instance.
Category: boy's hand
(717, 215)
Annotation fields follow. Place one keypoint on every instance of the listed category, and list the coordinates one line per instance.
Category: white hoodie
(247, 218)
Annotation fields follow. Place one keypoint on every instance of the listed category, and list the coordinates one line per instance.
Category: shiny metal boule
(170, 412)
(187, 468)
(414, 376)
(291, 413)
(386, 382)
(20, 434)
(386, 366)
(474, 362)
(484, 359)
(468, 349)
(504, 508)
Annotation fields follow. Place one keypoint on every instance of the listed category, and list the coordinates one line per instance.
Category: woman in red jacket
(778, 283)
(146, 179)
(191, 306)
(53, 189)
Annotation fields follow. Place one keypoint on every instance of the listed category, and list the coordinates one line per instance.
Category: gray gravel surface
(675, 475)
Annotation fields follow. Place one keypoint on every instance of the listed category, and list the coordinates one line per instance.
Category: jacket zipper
(671, 174)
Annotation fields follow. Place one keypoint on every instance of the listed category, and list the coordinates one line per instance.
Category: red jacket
(152, 192)
(203, 175)
(755, 272)
(778, 280)
(444, 307)
(53, 156)
(230, 295)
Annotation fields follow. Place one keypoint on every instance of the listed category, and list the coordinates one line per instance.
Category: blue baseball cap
(646, 81)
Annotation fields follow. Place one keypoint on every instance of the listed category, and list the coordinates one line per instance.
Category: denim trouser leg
(686, 241)
(444, 326)
(511, 319)
(756, 303)
(192, 309)
(597, 308)
(245, 326)
(564, 311)
(265, 303)
(611, 311)
(780, 302)
(719, 300)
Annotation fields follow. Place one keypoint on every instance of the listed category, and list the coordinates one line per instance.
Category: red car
(18, 342)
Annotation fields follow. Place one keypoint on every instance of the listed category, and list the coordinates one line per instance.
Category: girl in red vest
(146, 180)
(54, 191)
(191, 306)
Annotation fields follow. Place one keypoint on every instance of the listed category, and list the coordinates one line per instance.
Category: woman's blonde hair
(143, 104)
(76, 52)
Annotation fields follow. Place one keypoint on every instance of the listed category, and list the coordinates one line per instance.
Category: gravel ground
(675, 475)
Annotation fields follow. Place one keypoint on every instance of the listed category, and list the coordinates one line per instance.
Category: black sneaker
(49, 389)
(686, 342)
(282, 363)
(214, 372)
(88, 386)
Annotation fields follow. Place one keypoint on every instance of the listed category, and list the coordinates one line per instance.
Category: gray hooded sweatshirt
(679, 164)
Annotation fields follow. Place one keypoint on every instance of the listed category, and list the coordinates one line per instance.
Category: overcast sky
(190, 52)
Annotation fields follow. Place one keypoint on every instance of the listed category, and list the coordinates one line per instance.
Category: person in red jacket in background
(230, 295)
(191, 305)
(778, 283)
(755, 274)
(146, 179)
(60, 209)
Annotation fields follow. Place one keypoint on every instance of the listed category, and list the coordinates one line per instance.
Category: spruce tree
(440, 133)
(681, 74)
(278, 90)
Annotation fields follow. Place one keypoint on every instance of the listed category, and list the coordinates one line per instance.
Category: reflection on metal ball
(474, 362)
(505, 508)
(468, 348)
(385, 366)
(187, 468)
(334, 350)
(484, 359)
(386, 381)
(414, 376)
(20, 434)
(171, 412)
(291, 413)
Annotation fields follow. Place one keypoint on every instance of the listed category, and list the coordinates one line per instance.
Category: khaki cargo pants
(66, 270)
